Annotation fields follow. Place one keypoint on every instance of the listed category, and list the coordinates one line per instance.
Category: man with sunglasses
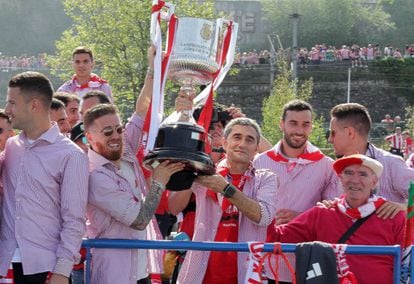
(304, 172)
(45, 178)
(349, 134)
(121, 203)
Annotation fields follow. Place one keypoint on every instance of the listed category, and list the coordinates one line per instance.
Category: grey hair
(243, 121)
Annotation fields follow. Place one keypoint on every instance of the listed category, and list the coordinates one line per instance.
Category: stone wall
(251, 85)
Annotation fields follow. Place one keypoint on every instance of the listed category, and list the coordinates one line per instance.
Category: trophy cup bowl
(194, 61)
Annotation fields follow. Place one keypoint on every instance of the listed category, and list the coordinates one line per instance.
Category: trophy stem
(186, 116)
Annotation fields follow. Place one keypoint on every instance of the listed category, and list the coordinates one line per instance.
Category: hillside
(31, 26)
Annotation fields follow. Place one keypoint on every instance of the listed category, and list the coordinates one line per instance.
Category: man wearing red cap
(359, 176)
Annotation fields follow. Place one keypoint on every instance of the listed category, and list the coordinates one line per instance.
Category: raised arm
(144, 98)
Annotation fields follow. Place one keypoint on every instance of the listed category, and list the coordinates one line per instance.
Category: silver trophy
(194, 60)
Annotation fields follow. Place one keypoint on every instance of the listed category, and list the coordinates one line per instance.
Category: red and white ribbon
(155, 113)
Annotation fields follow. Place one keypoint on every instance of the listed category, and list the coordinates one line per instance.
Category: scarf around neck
(94, 82)
(373, 203)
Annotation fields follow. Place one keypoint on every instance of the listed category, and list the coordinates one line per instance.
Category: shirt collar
(310, 155)
(96, 160)
(224, 165)
(50, 135)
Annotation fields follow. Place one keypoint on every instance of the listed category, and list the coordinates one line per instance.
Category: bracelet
(150, 71)
(229, 191)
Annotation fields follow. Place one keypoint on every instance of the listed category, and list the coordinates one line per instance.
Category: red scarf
(373, 203)
(224, 171)
(311, 155)
(94, 81)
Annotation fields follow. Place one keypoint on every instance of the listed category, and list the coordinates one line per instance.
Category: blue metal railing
(395, 251)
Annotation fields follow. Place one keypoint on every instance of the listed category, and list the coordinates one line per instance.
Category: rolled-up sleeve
(267, 187)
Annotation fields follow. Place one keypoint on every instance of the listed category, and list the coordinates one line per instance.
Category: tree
(284, 90)
(118, 32)
(334, 22)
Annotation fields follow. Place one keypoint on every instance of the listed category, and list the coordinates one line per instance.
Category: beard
(294, 144)
(111, 155)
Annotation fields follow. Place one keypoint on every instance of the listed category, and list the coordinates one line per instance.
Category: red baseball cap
(357, 159)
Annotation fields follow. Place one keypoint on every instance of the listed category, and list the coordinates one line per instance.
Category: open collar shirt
(112, 207)
(45, 195)
(260, 185)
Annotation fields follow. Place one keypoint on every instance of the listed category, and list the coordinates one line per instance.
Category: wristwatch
(229, 190)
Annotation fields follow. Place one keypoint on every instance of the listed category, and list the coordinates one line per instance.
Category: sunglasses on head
(108, 131)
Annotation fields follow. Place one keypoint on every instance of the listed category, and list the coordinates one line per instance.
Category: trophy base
(181, 142)
(195, 164)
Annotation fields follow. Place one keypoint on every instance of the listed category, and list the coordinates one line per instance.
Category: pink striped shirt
(302, 183)
(262, 187)
(112, 207)
(45, 195)
(396, 176)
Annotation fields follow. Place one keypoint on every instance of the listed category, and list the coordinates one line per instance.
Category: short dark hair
(4, 115)
(101, 96)
(295, 105)
(243, 121)
(56, 104)
(354, 115)
(82, 50)
(96, 112)
(33, 84)
(66, 97)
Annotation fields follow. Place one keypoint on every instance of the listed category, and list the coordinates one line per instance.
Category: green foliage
(334, 22)
(398, 71)
(118, 32)
(286, 89)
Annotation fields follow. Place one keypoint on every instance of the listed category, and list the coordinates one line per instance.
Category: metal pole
(295, 17)
(272, 63)
(348, 97)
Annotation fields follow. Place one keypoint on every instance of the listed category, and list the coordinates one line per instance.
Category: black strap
(352, 229)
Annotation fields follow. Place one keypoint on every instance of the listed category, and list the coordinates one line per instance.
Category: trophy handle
(165, 13)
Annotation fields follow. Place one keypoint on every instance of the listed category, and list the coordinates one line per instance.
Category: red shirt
(222, 265)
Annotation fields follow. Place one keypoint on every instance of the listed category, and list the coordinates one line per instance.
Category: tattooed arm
(161, 176)
(149, 205)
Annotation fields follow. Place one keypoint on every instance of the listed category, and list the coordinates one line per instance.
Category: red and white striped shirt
(396, 141)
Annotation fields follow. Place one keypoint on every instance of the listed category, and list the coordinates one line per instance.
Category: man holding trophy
(234, 205)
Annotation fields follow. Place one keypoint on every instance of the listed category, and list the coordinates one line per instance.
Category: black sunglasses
(108, 131)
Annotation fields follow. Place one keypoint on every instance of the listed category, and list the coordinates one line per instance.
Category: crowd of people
(23, 62)
(76, 171)
(357, 55)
